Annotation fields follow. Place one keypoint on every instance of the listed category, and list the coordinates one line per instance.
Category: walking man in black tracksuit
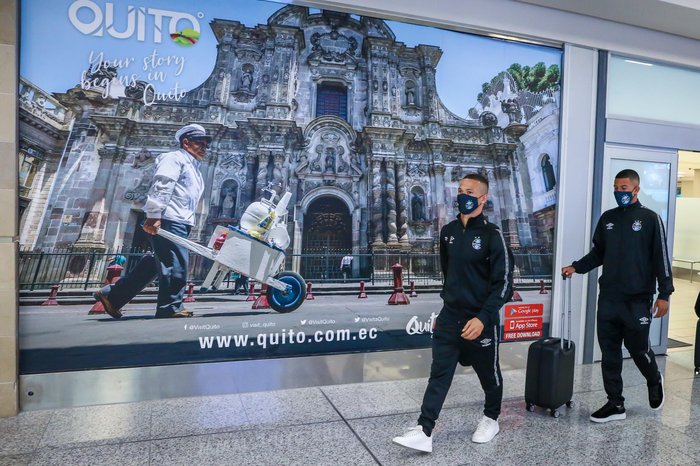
(630, 243)
(477, 268)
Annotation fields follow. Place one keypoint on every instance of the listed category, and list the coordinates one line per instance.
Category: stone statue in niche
(410, 93)
(228, 205)
(330, 160)
(418, 206)
(245, 89)
(247, 79)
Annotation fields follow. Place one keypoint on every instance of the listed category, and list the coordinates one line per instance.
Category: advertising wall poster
(329, 147)
(523, 321)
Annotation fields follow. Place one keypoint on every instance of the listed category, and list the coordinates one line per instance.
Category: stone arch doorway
(327, 237)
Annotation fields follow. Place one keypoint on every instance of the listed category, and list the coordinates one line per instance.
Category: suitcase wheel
(570, 404)
(530, 407)
(555, 413)
(697, 371)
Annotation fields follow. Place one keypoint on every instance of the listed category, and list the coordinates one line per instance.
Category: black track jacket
(478, 270)
(630, 243)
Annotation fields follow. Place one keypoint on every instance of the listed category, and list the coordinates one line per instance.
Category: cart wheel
(570, 404)
(287, 302)
(555, 413)
(530, 407)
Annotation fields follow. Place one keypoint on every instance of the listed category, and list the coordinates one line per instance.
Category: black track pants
(628, 322)
(449, 349)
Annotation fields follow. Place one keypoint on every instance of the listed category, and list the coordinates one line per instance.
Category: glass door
(657, 170)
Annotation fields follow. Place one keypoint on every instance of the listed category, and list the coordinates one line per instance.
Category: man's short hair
(628, 173)
(478, 177)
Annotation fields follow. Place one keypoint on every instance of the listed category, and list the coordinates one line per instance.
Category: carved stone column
(402, 201)
(508, 220)
(261, 182)
(207, 169)
(92, 232)
(392, 238)
(377, 211)
(441, 211)
(249, 189)
(279, 181)
(524, 227)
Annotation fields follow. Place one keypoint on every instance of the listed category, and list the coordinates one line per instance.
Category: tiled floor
(353, 425)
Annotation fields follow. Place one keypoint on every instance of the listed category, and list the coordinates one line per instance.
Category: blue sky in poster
(54, 53)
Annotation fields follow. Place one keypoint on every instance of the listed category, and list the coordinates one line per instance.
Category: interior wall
(686, 244)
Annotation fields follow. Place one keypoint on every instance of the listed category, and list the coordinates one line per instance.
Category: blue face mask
(467, 204)
(623, 198)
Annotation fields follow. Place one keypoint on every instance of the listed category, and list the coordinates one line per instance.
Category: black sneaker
(609, 412)
(656, 394)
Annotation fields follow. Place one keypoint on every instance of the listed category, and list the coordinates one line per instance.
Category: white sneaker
(486, 430)
(415, 439)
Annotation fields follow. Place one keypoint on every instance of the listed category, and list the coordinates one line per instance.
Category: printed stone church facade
(328, 106)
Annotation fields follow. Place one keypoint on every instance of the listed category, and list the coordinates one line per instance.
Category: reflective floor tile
(185, 416)
(125, 454)
(22, 433)
(331, 443)
(16, 460)
(285, 407)
(371, 399)
(98, 424)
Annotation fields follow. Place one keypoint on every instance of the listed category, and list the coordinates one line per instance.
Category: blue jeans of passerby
(169, 264)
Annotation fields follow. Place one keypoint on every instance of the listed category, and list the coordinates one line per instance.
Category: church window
(29, 161)
(332, 99)
(548, 173)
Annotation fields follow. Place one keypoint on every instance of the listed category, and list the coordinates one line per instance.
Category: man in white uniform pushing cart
(256, 250)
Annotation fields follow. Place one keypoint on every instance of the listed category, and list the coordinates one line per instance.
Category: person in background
(240, 282)
(346, 266)
(117, 260)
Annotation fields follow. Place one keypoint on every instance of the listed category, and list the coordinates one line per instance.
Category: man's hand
(151, 226)
(660, 308)
(568, 271)
(473, 329)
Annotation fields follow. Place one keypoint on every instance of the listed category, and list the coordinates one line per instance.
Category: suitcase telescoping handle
(566, 308)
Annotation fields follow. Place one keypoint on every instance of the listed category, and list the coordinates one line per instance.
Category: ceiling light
(639, 62)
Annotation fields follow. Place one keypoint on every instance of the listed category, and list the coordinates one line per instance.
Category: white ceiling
(679, 17)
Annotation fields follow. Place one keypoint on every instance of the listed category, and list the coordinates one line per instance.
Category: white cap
(191, 131)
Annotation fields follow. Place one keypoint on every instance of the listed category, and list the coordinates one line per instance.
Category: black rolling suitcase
(549, 377)
(697, 337)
